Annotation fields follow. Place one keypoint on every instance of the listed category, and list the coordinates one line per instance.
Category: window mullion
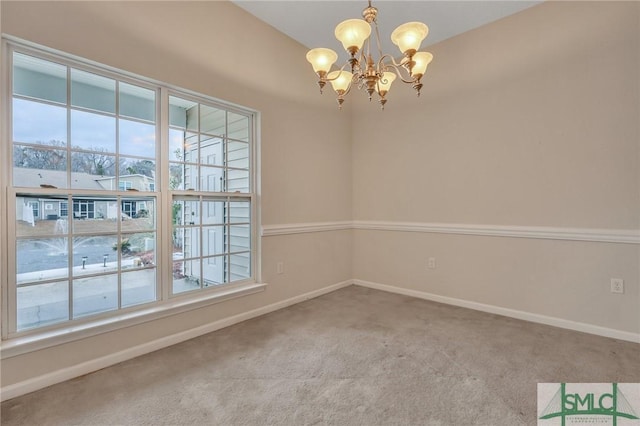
(119, 239)
(70, 256)
(118, 254)
(11, 293)
(165, 201)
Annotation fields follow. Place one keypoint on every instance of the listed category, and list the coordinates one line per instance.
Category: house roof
(58, 178)
(33, 178)
(126, 176)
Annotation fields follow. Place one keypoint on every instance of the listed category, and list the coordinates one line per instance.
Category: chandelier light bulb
(409, 36)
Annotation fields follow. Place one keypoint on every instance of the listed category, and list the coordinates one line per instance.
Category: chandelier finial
(370, 13)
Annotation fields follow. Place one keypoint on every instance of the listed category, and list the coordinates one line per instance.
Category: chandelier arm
(355, 77)
(393, 60)
(398, 68)
(337, 76)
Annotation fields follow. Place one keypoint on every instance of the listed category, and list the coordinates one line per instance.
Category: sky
(35, 122)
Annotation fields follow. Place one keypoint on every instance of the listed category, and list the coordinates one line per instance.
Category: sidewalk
(63, 273)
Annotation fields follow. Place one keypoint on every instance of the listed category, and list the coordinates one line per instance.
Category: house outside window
(78, 128)
(124, 185)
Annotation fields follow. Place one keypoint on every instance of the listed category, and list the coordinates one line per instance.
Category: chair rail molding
(625, 236)
(303, 228)
(620, 236)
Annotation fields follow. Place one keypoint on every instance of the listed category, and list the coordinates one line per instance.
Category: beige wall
(202, 46)
(530, 121)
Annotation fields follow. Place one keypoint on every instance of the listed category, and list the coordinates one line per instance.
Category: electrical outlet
(280, 267)
(617, 285)
(431, 263)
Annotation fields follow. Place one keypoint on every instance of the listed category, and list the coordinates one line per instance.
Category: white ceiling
(312, 22)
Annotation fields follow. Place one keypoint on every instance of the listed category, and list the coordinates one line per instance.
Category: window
(76, 129)
(209, 157)
(83, 209)
(129, 208)
(124, 185)
(64, 209)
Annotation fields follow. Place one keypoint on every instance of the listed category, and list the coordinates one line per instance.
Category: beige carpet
(352, 357)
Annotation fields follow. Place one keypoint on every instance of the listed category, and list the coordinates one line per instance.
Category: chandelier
(374, 76)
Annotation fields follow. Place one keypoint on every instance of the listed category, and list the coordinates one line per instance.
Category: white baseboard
(512, 313)
(40, 382)
(58, 376)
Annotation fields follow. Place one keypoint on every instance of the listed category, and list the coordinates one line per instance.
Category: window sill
(37, 341)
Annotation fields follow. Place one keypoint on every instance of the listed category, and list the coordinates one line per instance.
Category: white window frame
(15, 343)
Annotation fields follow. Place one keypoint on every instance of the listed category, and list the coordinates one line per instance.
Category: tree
(124, 246)
(140, 167)
(175, 176)
(53, 156)
(176, 219)
(45, 157)
(98, 162)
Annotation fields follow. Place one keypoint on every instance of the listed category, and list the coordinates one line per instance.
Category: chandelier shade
(322, 59)
(422, 60)
(409, 36)
(352, 33)
(361, 70)
(340, 80)
(341, 83)
(384, 84)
